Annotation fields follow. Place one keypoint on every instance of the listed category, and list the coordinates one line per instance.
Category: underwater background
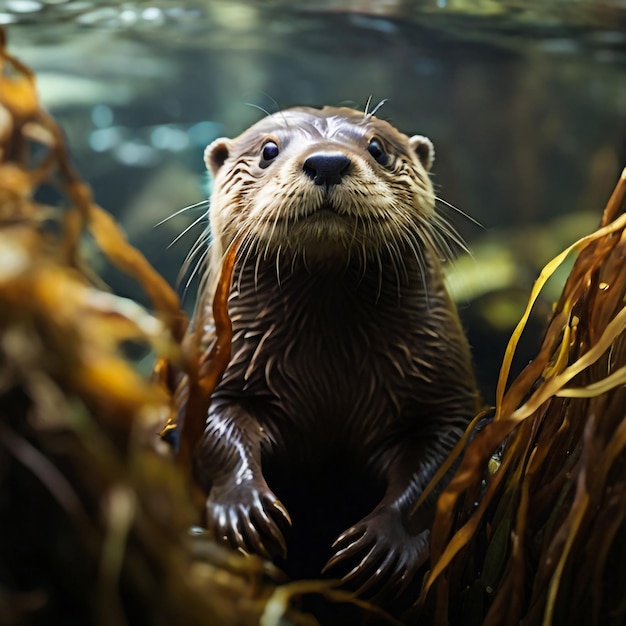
(525, 103)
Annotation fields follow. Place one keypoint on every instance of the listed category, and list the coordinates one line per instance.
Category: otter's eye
(375, 148)
(269, 153)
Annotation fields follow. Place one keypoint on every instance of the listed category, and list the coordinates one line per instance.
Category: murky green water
(524, 101)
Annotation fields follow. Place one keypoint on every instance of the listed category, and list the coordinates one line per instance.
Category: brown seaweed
(76, 419)
(203, 369)
(539, 539)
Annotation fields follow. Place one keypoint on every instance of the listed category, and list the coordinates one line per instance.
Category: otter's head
(329, 184)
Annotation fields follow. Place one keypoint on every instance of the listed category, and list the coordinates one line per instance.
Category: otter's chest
(326, 363)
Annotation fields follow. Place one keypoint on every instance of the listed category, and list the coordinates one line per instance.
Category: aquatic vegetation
(96, 517)
(539, 538)
(96, 511)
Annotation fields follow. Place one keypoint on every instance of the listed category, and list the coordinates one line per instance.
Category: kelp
(205, 366)
(96, 514)
(540, 539)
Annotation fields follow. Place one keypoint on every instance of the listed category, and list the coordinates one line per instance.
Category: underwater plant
(96, 510)
(531, 528)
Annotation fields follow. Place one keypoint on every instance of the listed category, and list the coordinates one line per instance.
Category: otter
(350, 378)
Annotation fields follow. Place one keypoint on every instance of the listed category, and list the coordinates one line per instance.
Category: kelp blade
(562, 423)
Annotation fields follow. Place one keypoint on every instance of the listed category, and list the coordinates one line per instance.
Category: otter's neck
(319, 293)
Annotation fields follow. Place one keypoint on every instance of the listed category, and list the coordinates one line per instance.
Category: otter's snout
(326, 168)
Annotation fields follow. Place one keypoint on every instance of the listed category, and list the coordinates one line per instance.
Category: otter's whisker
(380, 276)
(398, 223)
(260, 108)
(304, 261)
(393, 256)
(202, 203)
(280, 247)
(418, 244)
(367, 240)
(186, 230)
(203, 238)
(442, 246)
(271, 237)
(351, 243)
(367, 106)
(402, 252)
(435, 233)
(247, 245)
(447, 231)
(364, 261)
(410, 241)
(256, 271)
(198, 247)
(199, 264)
(294, 259)
(467, 216)
(378, 106)
(423, 251)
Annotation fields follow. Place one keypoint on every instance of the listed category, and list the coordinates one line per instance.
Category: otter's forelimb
(242, 511)
(391, 544)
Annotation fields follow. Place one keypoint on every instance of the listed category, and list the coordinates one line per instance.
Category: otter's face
(329, 184)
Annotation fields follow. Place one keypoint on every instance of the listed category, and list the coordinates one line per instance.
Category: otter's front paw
(248, 517)
(380, 556)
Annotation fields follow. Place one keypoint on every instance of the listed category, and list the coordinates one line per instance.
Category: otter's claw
(381, 557)
(248, 518)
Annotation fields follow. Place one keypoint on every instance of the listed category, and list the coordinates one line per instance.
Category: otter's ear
(216, 153)
(424, 149)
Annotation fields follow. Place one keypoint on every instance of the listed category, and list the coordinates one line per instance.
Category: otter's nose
(326, 169)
